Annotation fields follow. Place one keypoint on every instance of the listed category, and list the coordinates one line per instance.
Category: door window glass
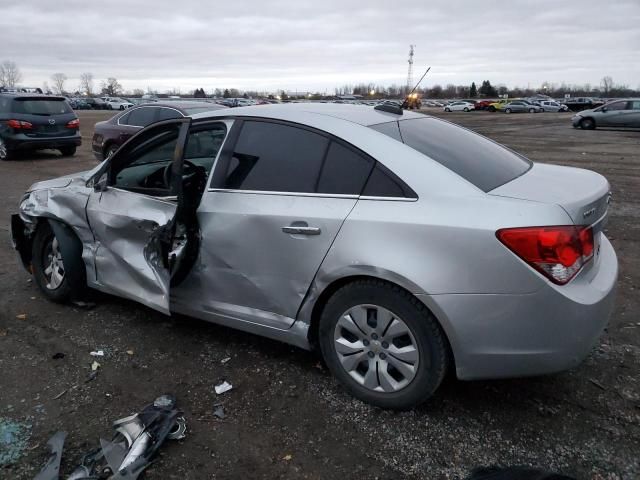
(203, 145)
(383, 183)
(275, 157)
(168, 113)
(635, 105)
(615, 106)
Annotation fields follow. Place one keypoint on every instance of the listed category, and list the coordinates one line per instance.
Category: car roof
(364, 115)
(23, 95)
(184, 105)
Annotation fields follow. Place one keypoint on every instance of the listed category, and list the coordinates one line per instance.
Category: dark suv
(32, 122)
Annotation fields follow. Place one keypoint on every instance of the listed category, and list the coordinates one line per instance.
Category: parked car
(459, 107)
(110, 134)
(117, 103)
(96, 103)
(498, 105)
(483, 104)
(621, 113)
(552, 106)
(400, 244)
(577, 104)
(34, 122)
(79, 104)
(520, 106)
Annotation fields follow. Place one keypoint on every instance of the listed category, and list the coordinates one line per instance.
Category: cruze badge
(52, 122)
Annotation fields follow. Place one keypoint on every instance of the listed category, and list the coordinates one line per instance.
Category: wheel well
(332, 288)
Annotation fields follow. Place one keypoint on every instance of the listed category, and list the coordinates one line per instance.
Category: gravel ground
(286, 417)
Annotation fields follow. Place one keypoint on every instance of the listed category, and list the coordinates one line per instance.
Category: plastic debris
(223, 387)
(129, 352)
(287, 457)
(218, 411)
(95, 366)
(57, 356)
(51, 469)
(97, 353)
(21, 316)
(225, 360)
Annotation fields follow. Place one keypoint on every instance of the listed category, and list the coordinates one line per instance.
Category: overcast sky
(317, 45)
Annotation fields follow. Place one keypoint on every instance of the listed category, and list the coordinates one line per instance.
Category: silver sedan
(400, 245)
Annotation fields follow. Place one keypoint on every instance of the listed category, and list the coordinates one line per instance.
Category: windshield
(44, 106)
(475, 158)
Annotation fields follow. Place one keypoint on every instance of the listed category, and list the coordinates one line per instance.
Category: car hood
(65, 181)
(583, 194)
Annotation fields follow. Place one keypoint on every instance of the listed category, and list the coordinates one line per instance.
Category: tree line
(11, 76)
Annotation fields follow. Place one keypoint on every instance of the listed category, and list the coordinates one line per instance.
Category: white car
(552, 106)
(459, 106)
(116, 103)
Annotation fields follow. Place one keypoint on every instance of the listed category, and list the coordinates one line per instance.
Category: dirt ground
(286, 417)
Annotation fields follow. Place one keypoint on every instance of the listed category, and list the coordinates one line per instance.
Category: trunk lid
(583, 194)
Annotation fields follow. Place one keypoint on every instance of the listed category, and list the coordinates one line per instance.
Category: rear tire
(113, 148)
(532, 110)
(48, 266)
(369, 327)
(587, 124)
(68, 151)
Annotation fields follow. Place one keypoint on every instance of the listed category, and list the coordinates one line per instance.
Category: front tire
(587, 124)
(48, 266)
(5, 153)
(110, 151)
(447, 109)
(382, 344)
(466, 109)
(507, 110)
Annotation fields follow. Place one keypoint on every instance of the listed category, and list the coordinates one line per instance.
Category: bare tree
(111, 87)
(45, 87)
(607, 85)
(86, 83)
(138, 92)
(58, 80)
(9, 74)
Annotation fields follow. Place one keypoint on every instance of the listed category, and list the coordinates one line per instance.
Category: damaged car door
(133, 211)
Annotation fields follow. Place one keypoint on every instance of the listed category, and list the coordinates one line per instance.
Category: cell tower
(410, 72)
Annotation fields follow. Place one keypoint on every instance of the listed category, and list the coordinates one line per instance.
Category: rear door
(614, 116)
(279, 195)
(132, 211)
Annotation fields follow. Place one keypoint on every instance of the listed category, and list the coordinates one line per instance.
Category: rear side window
(475, 158)
(383, 183)
(344, 171)
(277, 158)
(141, 117)
(169, 113)
(4, 104)
(43, 106)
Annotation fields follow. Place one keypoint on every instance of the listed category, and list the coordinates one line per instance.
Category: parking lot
(285, 416)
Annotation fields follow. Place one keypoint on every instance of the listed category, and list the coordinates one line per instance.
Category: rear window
(475, 158)
(41, 106)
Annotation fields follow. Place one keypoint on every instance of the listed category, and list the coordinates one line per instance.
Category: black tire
(491, 108)
(532, 110)
(587, 124)
(5, 153)
(68, 151)
(466, 109)
(447, 109)
(121, 107)
(431, 342)
(42, 245)
(507, 110)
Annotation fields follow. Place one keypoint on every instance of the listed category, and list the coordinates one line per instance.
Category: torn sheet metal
(51, 469)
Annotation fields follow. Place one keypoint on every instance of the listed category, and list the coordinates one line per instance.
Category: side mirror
(100, 185)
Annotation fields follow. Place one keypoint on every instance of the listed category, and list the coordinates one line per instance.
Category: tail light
(75, 123)
(19, 125)
(557, 252)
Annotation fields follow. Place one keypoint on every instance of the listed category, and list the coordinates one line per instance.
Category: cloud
(318, 45)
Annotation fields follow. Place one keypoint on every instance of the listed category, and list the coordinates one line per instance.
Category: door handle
(301, 230)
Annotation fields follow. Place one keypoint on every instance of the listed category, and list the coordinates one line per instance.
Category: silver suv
(399, 244)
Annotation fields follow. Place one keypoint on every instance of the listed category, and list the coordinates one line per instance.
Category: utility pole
(410, 71)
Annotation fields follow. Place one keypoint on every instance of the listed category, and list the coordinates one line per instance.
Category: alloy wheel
(54, 272)
(376, 348)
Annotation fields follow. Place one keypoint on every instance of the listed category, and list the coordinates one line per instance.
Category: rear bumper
(24, 142)
(551, 330)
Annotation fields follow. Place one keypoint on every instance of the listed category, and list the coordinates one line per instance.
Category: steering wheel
(189, 170)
